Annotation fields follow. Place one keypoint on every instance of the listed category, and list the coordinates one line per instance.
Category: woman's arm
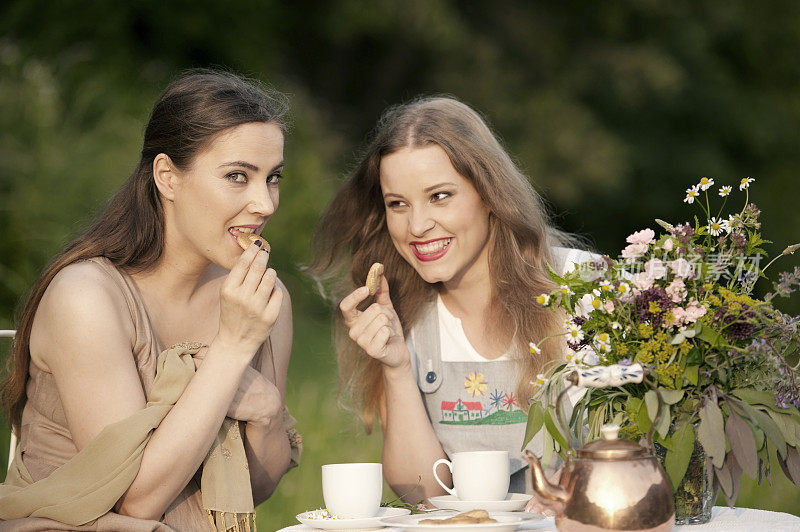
(410, 446)
(266, 442)
(84, 335)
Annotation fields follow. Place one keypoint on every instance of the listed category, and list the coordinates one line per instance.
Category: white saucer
(365, 523)
(506, 522)
(512, 503)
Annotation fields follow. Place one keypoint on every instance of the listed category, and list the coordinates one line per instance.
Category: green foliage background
(612, 108)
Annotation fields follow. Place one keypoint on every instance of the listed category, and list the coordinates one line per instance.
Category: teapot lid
(610, 447)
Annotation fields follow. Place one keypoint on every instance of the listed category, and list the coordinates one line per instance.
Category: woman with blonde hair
(149, 368)
(440, 353)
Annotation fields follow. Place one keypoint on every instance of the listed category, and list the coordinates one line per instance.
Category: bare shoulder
(81, 304)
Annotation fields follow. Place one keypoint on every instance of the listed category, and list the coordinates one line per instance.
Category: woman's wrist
(399, 373)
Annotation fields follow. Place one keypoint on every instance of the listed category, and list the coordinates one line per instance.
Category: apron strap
(425, 338)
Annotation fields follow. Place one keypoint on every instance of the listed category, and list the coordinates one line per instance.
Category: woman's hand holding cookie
(377, 329)
(250, 301)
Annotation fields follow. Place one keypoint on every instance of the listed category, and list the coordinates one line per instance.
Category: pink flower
(655, 269)
(642, 281)
(676, 290)
(634, 251)
(694, 311)
(608, 306)
(645, 236)
(683, 268)
(668, 245)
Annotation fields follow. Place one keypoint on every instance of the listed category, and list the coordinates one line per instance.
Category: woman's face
(230, 187)
(435, 217)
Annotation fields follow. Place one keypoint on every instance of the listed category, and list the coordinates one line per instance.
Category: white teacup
(477, 475)
(352, 491)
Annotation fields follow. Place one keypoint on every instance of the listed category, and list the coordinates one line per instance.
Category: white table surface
(722, 518)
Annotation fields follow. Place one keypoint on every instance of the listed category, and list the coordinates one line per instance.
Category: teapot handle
(603, 377)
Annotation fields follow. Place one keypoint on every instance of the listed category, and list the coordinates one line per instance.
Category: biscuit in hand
(374, 278)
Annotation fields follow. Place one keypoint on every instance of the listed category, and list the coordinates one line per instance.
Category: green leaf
(707, 334)
(755, 397)
(642, 418)
(692, 373)
(651, 401)
(670, 396)
(743, 444)
(677, 460)
(769, 427)
(535, 422)
(694, 357)
(554, 430)
(711, 432)
(786, 425)
(555, 277)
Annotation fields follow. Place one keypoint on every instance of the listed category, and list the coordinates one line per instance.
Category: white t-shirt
(455, 346)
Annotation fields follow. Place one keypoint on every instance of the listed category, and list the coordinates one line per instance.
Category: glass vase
(694, 496)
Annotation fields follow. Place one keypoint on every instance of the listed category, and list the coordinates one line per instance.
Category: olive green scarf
(89, 484)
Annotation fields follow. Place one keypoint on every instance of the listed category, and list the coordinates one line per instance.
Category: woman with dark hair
(149, 368)
(441, 352)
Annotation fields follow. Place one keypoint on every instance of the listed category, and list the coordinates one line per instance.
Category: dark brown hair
(352, 234)
(191, 112)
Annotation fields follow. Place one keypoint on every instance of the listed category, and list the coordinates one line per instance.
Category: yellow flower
(596, 303)
(543, 299)
(706, 183)
(535, 349)
(475, 383)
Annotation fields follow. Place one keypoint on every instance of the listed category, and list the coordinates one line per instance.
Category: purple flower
(653, 314)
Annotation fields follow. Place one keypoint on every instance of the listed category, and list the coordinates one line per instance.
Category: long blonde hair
(352, 234)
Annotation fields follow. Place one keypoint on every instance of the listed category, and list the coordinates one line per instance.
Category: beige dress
(46, 442)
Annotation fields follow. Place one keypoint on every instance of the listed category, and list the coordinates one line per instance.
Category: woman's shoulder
(81, 296)
(567, 259)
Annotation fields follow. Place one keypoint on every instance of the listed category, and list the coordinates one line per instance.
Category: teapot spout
(548, 493)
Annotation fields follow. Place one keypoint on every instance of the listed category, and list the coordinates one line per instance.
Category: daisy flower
(535, 349)
(603, 342)
(705, 183)
(623, 288)
(691, 194)
(540, 381)
(605, 286)
(715, 226)
(566, 290)
(575, 334)
(724, 191)
(543, 299)
(725, 225)
(745, 183)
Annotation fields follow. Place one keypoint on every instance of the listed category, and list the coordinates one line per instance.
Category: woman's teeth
(432, 247)
(234, 230)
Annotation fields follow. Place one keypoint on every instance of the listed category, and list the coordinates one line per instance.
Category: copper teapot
(611, 483)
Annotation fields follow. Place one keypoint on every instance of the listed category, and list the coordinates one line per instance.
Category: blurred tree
(612, 108)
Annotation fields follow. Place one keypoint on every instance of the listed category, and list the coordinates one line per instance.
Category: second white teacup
(352, 491)
(477, 475)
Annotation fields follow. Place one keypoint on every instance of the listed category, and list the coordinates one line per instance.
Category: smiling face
(230, 187)
(435, 217)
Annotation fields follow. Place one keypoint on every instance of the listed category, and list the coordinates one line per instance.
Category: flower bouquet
(724, 361)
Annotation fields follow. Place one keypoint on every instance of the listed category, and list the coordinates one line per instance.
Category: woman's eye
(439, 196)
(274, 179)
(236, 177)
(394, 204)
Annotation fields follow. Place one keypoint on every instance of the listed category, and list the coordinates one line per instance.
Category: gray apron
(472, 406)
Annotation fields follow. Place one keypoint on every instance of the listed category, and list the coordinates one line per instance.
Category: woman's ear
(164, 176)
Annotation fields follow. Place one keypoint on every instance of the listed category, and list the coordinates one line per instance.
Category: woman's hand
(257, 399)
(250, 301)
(543, 506)
(377, 329)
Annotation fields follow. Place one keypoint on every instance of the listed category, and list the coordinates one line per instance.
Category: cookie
(245, 239)
(374, 278)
